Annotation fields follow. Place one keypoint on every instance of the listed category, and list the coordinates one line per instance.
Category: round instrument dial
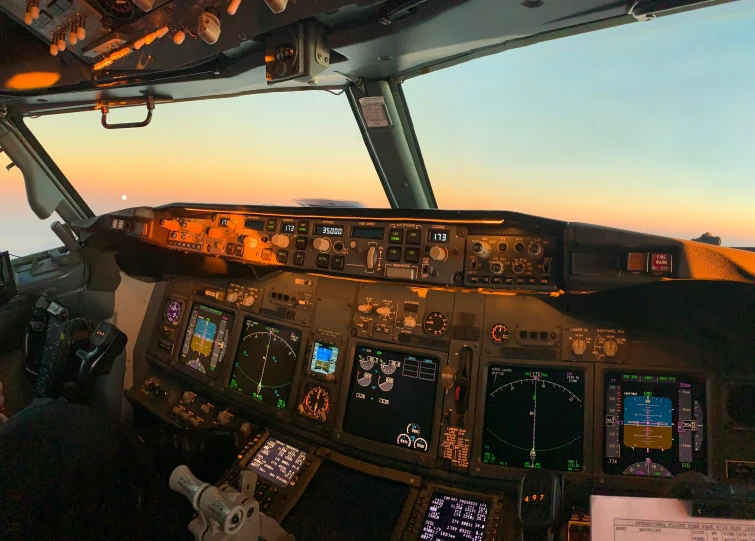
(435, 323)
(316, 403)
(499, 333)
(173, 312)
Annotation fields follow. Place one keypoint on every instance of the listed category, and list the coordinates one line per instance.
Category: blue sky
(648, 126)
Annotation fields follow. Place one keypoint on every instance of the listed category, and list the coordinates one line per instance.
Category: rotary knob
(248, 300)
(321, 244)
(188, 397)
(206, 407)
(215, 233)
(365, 308)
(281, 241)
(578, 346)
(383, 311)
(438, 254)
(481, 249)
(246, 429)
(224, 417)
(250, 242)
(409, 322)
(232, 297)
(610, 348)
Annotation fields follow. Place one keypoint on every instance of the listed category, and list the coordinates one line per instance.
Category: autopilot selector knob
(246, 429)
(409, 322)
(371, 258)
(481, 249)
(224, 417)
(232, 297)
(610, 347)
(248, 300)
(578, 346)
(321, 244)
(249, 241)
(438, 253)
(281, 241)
(188, 397)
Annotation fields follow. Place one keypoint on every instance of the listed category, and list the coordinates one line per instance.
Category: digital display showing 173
(534, 417)
(654, 424)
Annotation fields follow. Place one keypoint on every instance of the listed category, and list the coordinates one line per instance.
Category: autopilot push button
(338, 262)
(282, 256)
(301, 243)
(413, 236)
(299, 258)
(396, 236)
(411, 255)
(322, 261)
(393, 254)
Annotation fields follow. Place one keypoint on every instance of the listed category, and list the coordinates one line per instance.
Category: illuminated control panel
(511, 261)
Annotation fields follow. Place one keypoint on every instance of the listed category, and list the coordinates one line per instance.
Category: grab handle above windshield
(105, 109)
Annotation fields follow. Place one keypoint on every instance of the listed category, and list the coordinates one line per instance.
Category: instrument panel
(482, 385)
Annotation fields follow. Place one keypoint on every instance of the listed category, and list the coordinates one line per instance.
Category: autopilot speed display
(205, 340)
(265, 362)
(654, 424)
(534, 417)
(392, 397)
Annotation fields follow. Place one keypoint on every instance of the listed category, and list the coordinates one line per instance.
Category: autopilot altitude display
(204, 344)
(453, 518)
(534, 417)
(392, 397)
(654, 424)
(265, 362)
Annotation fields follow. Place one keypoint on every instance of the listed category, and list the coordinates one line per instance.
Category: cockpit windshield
(647, 127)
(268, 149)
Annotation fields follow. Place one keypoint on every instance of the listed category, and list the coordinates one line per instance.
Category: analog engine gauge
(316, 403)
(435, 323)
(499, 333)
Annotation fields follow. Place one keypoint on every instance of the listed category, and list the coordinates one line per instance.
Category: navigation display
(324, 359)
(205, 340)
(392, 397)
(265, 362)
(654, 424)
(277, 462)
(452, 517)
(534, 417)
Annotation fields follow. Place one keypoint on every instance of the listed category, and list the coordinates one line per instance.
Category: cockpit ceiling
(362, 44)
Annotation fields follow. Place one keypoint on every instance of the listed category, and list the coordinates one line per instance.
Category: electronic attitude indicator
(534, 418)
(265, 361)
(435, 323)
(654, 424)
(316, 403)
(499, 333)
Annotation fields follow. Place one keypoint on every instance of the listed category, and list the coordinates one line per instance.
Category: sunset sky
(649, 127)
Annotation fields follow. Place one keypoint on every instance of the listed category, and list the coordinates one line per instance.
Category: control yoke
(225, 513)
(107, 342)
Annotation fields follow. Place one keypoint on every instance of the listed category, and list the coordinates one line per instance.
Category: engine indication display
(392, 397)
(654, 424)
(278, 462)
(452, 517)
(265, 362)
(205, 340)
(534, 417)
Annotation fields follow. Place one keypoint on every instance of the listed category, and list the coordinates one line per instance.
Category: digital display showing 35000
(654, 424)
(265, 362)
(534, 417)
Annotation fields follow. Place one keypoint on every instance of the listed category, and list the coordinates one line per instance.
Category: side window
(21, 231)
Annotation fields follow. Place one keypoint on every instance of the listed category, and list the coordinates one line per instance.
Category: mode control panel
(403, 250)
(520, 262)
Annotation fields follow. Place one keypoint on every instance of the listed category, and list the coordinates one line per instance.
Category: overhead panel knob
(578, 346)
(481, 249)
(188, 397)
(365, 308)
(215, 233)
(281, 241)
(438, 254)
(383, 311)
(248, 300)
(194, 227)
(409, 322)
(224, 417)
(321, 244)
(246, 429)
(232, 297)
(610, 348)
